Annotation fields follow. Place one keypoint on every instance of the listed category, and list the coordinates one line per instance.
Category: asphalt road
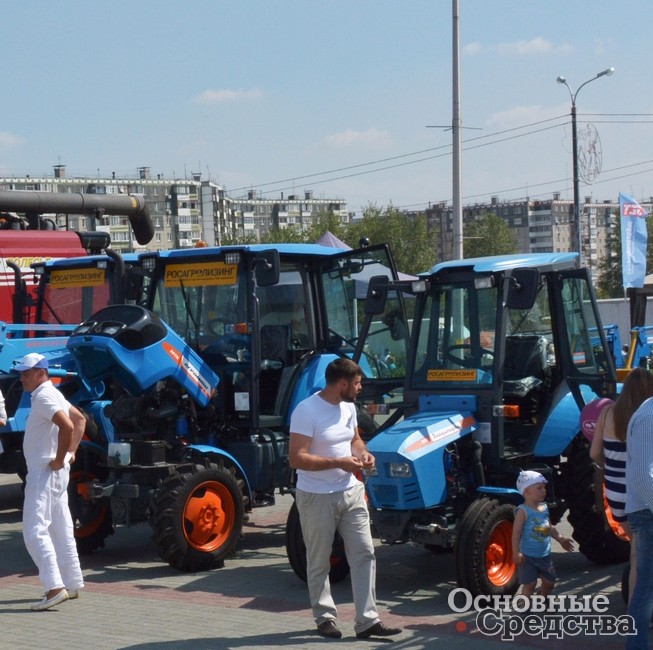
(134, 601)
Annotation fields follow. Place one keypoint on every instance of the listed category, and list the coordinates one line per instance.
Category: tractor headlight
(111, 329)
(400, 470)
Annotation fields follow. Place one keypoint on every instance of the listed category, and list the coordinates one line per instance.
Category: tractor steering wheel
(470, 361)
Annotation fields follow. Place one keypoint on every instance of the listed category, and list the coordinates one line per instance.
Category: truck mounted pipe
(37, 203)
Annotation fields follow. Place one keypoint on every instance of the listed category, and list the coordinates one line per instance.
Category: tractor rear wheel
(198, 516)
(598, 540)
(92, 518)
(296, 550)
(483, 551)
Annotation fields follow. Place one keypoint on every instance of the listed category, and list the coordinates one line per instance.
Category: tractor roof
(311, 250)
(544, 262)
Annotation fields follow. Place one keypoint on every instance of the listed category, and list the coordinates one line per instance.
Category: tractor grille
(389, 495)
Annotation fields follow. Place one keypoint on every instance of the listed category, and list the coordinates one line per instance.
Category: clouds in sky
(372, 137)
(534, 47)
(226, 95)
(526, 115)
(9, 140)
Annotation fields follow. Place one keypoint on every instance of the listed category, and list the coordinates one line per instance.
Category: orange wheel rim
(498, 555)
(208, 517)
(84, 529)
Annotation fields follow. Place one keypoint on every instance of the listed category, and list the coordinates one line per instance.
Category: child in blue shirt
(531, 536)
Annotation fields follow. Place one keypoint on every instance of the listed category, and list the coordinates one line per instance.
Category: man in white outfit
(326, 450)
(53, 431)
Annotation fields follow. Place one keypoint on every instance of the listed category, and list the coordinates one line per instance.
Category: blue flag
(633, 241)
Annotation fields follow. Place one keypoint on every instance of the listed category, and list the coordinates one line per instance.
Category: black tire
(596, 539)
(483, 550)
(92, 519)
(198, 516)
(366, 424)
(296, 550)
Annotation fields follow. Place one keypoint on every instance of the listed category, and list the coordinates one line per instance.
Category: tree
(489, 235)
(326, 220)
(239, 240)
(413, 243)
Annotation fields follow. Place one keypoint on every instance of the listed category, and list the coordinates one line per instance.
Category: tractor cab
(513, 335)
(70, 290)
(268, 319)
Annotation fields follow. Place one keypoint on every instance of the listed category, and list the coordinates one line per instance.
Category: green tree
(289, 235)
(413, 244)
(610, 282)
(249, 238)
(325, 220)
(489, 235)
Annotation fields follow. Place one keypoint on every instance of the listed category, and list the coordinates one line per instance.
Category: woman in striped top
(608, 448)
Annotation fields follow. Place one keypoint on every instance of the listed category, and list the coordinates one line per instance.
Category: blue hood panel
(410, 459)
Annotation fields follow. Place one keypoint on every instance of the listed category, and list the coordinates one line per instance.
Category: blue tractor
(188, 394)
(505, 352)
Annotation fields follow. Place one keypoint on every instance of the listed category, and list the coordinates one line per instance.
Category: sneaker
(329, 630)
(73, 594)
(46, 603)
(378, 629)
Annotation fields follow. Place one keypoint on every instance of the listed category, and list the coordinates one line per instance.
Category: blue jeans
(640, 606)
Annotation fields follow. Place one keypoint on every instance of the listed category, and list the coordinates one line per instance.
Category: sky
(351, 99)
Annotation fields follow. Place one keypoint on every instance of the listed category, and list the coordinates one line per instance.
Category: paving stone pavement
(134, 601)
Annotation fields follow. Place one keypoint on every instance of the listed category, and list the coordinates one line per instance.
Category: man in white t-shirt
(326, 450)
(53, 431)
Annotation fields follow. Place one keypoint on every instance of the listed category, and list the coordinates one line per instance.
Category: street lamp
(574, 140)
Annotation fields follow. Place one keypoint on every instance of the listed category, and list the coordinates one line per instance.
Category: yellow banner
(195, 275)
(77, 278)
(451, 375)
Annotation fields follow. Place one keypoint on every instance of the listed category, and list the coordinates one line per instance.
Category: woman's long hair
(637, 388)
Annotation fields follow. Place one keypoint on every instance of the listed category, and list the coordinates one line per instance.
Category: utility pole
(456, 123)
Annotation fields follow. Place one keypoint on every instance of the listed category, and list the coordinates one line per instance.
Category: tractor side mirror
(377, 295)
(267, 267)
(524, 284)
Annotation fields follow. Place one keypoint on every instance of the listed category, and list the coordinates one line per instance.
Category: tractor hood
(134, 347)
(410, 458)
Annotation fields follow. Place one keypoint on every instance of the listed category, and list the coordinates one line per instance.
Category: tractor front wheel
(91, 517)
(483, 551)
(296, 550)
(198, 517)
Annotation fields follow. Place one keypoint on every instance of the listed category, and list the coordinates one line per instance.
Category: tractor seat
(525, 366)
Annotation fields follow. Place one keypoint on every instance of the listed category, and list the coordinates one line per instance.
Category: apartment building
(541, 226)
(258, 214)
(184, 211)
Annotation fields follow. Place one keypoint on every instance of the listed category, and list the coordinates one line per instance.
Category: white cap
(528, 478)
(31, 360)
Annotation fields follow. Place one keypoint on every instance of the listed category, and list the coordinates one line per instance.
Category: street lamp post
(574, 145)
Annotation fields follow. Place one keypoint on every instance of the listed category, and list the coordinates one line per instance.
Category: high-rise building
(184, 211)
(541, 226)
